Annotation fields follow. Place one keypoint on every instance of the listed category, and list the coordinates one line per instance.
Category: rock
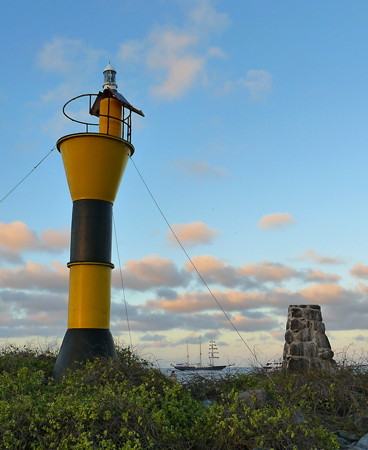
(207, 403)
(254, 397)
(322, 340)
(347, 436)
(325, 353)
(362, 443)
(299, 416)
(289, 337)
(319, 326)
(297, 312)
(297, 324)
(361, 423)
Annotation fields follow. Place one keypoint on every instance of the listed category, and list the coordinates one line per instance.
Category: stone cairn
(306, 345)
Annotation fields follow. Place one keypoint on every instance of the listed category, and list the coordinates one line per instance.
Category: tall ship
(212, 355)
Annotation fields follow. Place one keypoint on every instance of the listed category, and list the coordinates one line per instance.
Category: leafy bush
(128, 404)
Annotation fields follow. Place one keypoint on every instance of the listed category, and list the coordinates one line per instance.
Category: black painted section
(80, 345)
(91, 231)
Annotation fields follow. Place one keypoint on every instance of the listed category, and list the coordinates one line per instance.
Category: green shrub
(128, 404)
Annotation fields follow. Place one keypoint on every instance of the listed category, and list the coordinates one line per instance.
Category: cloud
(253, 275)
(10, 257)
(205, 18)
(75, 64)
(266, 271)
(258, 83)
(248, 325)
(150, 272)
(326, 294)
(172, 54)
(56, 239)
(131, 50)
(153, 337)
(32, 313)
(16, 237)
(35, 276)
(276, 220)
(192, 234)
(178, 56)
(72, 58)
(253, 304)
(312, 255)
(216, 271)
(362, 288)
(321, 277)
(230, 300)
(199, 169)
(352, 314)
(359, 271)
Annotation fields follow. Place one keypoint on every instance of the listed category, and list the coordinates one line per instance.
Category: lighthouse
(94, 164)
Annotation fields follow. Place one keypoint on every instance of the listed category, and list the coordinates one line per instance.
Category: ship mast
(212, 352)
(200, 352)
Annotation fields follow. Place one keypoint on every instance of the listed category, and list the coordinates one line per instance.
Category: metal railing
(126, 119)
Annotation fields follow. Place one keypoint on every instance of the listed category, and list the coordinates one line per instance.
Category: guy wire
(28, 174)
(199, 274)
(122, 284)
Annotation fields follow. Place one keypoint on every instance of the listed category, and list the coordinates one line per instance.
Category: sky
(253, 149)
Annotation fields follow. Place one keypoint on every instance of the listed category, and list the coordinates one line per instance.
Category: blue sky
(253, 145)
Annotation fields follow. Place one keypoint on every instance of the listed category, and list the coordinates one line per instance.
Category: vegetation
(128, 404)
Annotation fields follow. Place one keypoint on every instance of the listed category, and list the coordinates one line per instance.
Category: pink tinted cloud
(178, 56)
(214, 270)
(16, 236)
(312, 255)
(325, 294)
(57, 239)
(149, 272)
(35, 276)
(248, 325)
(321, 277)
(266, 271)
(359, 270)
(192, 234)
(192, 301)
(276, 220)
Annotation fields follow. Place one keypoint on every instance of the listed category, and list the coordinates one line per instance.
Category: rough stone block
(297, 324)
(303, 335)
(314, 315)
(325, 353)
(298, 364)
(295, 349)
(309, 349)
(296, 312)
(322, 340)
(319, 326)
(289, 337)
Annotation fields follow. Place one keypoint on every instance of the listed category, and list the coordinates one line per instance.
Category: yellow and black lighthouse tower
(94, 164)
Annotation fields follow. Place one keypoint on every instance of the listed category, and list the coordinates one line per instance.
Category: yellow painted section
(94, 164)
(110, 125)
(89, 296)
